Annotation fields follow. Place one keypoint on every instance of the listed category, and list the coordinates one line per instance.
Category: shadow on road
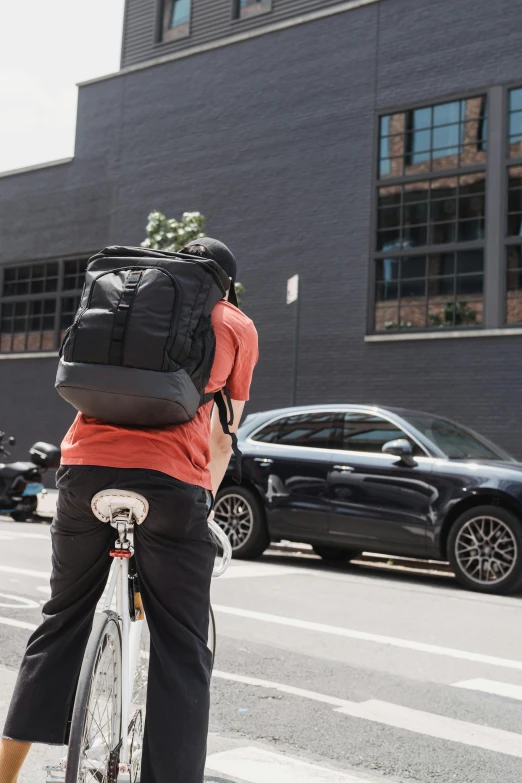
(414, 573)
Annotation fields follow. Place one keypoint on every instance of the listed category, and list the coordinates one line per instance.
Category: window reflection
(443, 290)
(434, 138)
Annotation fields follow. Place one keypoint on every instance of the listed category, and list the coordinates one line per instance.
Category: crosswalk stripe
(350, 633)
(439, 726)
(492, 686)
(254, 765)
(400, 717)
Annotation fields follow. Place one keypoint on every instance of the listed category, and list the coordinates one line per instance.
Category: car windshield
(455, 441)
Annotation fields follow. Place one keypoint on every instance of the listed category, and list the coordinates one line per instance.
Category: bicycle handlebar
(221, 539)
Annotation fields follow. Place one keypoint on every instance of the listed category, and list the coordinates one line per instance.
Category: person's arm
(221, 444)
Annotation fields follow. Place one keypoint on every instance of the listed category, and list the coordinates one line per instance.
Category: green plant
(400, 325)
(170, 234)
(454, 314)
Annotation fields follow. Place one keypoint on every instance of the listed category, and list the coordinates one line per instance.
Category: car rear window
(309, 430)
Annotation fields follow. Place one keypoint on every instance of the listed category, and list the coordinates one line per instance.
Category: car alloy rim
(236, 518)
(486, 550)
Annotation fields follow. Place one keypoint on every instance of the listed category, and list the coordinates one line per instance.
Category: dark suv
(353, 478)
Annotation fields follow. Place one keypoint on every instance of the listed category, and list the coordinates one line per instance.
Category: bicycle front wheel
(96, 729)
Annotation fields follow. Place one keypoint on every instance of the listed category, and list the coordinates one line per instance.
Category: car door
(293, 453)
(377, 501)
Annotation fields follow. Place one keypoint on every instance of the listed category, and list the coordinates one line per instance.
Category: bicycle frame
(131, 631)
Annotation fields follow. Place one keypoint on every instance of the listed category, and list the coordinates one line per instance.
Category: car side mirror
(400, 448)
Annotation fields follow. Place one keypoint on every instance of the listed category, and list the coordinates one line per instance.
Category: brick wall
(273, 140)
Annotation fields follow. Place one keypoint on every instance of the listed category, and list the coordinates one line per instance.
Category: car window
(270, 433)
(312, 430)
(368, 433)
(455, 441)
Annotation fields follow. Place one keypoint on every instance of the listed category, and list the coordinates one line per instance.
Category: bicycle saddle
(109, 502)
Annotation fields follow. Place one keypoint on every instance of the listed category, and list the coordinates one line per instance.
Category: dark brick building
(372, 146)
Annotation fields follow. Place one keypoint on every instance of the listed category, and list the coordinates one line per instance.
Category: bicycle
(108, 718)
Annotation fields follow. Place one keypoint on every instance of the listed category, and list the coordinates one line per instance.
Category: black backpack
(141, 347)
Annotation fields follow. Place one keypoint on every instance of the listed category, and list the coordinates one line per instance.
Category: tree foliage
(172, 235)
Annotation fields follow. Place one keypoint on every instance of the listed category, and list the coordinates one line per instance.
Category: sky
(46, 48)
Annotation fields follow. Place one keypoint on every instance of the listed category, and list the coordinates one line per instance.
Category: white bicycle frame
(131, 631)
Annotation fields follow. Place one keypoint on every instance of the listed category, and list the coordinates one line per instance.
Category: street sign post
(293, 295)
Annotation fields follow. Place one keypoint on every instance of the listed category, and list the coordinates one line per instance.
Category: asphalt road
(330, 675)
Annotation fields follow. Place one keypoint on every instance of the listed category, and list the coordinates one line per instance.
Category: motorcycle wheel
(27, 513)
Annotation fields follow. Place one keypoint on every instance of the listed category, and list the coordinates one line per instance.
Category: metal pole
(296, 344)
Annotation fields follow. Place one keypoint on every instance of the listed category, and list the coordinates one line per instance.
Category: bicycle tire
(105, 626)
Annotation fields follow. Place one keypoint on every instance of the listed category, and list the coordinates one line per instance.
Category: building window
(245, 9)
(434, 138)
(515, 124)
(176, 19)
(514, 210)
(429, 265)
(38, 303)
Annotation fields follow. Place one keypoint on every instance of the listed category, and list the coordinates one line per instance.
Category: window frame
(238, 16)
(508, 240)
(58, 296)
(496, 240)
(426, 250)
(167, 34)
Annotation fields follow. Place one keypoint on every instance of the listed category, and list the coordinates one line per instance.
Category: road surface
(329, 675)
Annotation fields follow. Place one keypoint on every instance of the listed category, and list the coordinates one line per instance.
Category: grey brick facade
(273, 139)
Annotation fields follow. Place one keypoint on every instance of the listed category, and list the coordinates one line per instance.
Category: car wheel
(332, 554)
(485, 550)
(238, 511)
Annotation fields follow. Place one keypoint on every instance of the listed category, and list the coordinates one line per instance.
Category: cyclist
(175, 468)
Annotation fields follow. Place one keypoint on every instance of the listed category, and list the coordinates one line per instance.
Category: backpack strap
(128, 294)
(226, 423)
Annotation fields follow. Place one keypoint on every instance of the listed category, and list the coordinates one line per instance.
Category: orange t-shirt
(180, 450)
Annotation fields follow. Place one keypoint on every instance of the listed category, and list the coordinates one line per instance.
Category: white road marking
(17, 602)
(399, 717)
(18, 623)
(25, 572)
(11, 535)
(364, 636)
(492, 686)
(254, 765)
(277, 686)
(44, 589)
(439, 726)
(257, 570)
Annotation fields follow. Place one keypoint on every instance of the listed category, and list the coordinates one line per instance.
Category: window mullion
(59, 299)
(494, 263)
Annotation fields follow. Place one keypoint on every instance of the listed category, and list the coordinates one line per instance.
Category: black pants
(174, 557)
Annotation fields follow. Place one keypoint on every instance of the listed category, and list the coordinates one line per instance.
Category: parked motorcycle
(21, 482)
